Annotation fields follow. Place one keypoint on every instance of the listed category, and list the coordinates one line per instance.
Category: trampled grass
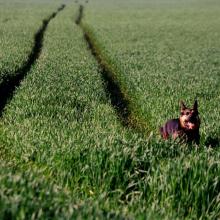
(65, 153)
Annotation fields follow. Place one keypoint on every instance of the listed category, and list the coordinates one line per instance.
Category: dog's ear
(195, 105)
(182, 105)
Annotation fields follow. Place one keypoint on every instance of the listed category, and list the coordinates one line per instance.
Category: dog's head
(189, 117)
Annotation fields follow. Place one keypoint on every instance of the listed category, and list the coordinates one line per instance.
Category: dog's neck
(186, 130)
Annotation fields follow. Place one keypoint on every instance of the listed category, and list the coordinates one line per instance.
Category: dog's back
(171, 127)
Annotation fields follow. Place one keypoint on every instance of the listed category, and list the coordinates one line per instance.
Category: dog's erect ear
(195, 105)
(182, 105)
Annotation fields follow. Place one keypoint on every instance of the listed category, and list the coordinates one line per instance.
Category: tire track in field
(119, 100)
(12, 80)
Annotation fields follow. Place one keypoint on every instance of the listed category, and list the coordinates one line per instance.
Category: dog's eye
(187, 113)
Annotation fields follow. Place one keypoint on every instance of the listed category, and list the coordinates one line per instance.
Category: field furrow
(10, 81)
(113, 90)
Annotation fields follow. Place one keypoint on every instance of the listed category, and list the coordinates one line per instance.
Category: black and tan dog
(186, 127)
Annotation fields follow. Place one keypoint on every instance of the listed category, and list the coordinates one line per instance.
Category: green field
(65, 150)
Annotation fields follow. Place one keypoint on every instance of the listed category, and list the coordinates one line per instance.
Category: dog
(186, 127)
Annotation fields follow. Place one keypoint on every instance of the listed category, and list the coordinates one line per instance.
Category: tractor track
(12, 80)
(119, 100)
(112, 88)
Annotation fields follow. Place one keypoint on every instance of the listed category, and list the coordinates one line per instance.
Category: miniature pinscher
(186, 127)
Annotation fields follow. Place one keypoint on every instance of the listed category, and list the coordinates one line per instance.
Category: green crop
(64, 152)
